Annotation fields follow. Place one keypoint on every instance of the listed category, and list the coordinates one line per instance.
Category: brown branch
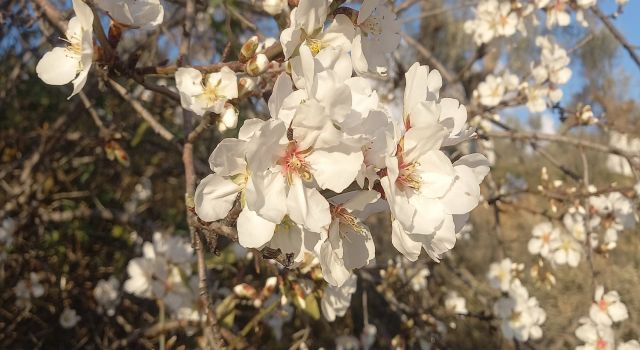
(143, 112)
(272, 52)
(430, 58)
(616, 34)
(578, 142)
(52, 15)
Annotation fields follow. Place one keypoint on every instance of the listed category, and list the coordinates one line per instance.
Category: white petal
(253, 230)
(403, 242)
(418, 141)
(359, 247)
(335, 168)
(58, 66)
(266, 194)
(281, 89)
(229, 157)
(437, 174)
(214, 197)
(307, 207)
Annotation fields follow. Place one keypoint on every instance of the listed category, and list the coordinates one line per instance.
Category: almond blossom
(429, 196)
(521, 315)
(71, 63)
(455, 303)
(107, 293)
(607, 307)
(543, 235)
(502, 273)
(201, 93)
(336, 300)
(566, 250)
(134, 13)
(492, 90)
(595, 336)
(629, 345)
(307, 28)
(377, 33)
(69, 318)
(492, 19)
(349, 244)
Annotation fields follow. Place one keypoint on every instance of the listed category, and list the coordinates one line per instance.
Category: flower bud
(246, 85)
(248, 49)
(257, 65)
(274, 7)
(229, 118)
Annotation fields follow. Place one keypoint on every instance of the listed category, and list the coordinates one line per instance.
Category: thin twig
(616, 34)
(143, 112)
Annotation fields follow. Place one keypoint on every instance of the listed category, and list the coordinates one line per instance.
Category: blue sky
(629, 24)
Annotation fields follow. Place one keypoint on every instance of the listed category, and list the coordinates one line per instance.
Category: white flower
(274, 7)
(575, 224)
(428, 196)
(493, 19)
(554, 62)
(28, 288)
(501, 273)
(306, 28)
(566, 250)
(490, 91)
(418, 280)
(206, 93)
(543, 234)
(63, 65)
(629, 345)
(455, 303)
(349, 244)
(535, 95)
(607, 308)
(69, 318)
(377, 34)
(291, 160)
(107, 294)
(143, 273)
(618, 164)
(521, 315)
(134, 13)
(336, 300)
(557, 14)
(595, 336)
(229, 118)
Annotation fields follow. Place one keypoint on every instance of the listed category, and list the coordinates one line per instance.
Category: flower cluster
(596, 330)
(331, 135)
(164, 273)
(495, 18)
(71, 63)
(552, 71)
(521, 315)
(370, 34)
(493, 89)
(555, 245)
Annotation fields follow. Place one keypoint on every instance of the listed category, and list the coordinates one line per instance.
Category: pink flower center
(602, 304)
(601, 344)
(407, 171)
(294, 163)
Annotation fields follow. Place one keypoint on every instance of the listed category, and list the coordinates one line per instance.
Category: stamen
(314, 45)
(345, 217)
(293, 163)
